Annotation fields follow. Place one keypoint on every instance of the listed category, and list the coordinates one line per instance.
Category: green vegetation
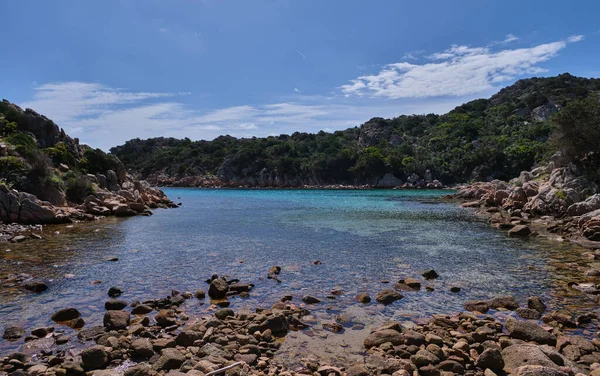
(39, 158)
(482, 139)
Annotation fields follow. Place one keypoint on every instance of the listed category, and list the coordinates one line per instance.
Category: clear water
(361, 237)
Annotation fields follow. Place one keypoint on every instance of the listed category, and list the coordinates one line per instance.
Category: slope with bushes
(47, 176)
(480, 140)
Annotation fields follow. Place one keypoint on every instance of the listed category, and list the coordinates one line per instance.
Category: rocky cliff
(48, 177)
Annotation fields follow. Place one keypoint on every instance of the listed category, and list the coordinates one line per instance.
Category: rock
(363, 298)
(309, 299)
(529, 331)
(528, 313)
(414, 338)
(35, 286)
(476, 306)
(169, 359)
(519, 355)
(115, 305)
(12, 333)
(36, 370)
(539, 371)
(451, 366)
(507, 302)
(114, 292)
(388, 296)
(519, 230)
(412, 283)
(142, 347)
(42, 332)
(187, 337)
(94, 357)
(116, 320)
(141, 309)
(142, 369)
(430, 274)
(424, 358)
(490, 358)
(165, 318)
(382, 336)
(25, 208)
(224, 313)
(358, 370)
(200, 294)
(218, 289)
(278, 323)
(454, 289)
(66, 314)
(333, 327)
(536, 303)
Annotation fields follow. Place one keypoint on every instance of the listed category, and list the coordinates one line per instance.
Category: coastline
(157, 336)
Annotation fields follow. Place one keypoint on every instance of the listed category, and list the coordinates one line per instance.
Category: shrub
(11, 168)
(78, 188)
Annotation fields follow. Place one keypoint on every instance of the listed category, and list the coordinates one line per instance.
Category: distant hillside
(479, 140)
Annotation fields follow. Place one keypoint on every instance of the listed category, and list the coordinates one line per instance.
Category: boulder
(388, 296)
(12, 333)
(506, 302)
(519, 355)
(115, 305)
(363, 298)
(539, 371)
(116, 320)
(430, 274)
(35, 286)
(142, 347)
(519, 230)
(529, 331)
(218, 289)
(309, 299)
(490, 358)
(476, 306)
(169, 359)
(66, 314)
(94, 357)
(382, 336)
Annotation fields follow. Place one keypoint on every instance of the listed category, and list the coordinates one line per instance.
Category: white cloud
(459, 70)
(296, 89)
(163, 30)
(510, 38)
(575, 38)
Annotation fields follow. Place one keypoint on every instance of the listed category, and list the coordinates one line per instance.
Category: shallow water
(361, 238)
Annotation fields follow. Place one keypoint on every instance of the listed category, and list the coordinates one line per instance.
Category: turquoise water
(361, 237)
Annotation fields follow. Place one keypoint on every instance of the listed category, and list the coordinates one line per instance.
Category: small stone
(363, 298)
(388, 296)
(116, 320)
(35, 286)
(430, 274)
(12, 333)
(65, 314)
(114, 292)
(309, 299)
(115, 305)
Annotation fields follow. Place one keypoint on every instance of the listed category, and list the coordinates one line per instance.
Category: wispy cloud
(510, 38)
(301, 54)
(575, 38)
(459, 70)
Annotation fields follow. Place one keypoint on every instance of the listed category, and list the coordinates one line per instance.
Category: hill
(484, 139)
(48, 177)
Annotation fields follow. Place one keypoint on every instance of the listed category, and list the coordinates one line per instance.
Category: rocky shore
(555, 200)
(154, 337)
(127, 198)
(211, 181)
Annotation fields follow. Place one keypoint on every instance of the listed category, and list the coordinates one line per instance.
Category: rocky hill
(484, 139)
(48, 177)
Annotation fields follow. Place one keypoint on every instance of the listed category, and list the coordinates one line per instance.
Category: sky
(109, 71)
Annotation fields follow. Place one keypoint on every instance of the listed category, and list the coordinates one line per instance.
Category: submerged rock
(388, 296)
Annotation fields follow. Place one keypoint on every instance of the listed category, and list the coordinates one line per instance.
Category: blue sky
(109, 71)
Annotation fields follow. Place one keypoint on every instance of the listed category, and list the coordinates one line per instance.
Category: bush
(59, 153)
(78, 188)
(11, 168)
(578, 128)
